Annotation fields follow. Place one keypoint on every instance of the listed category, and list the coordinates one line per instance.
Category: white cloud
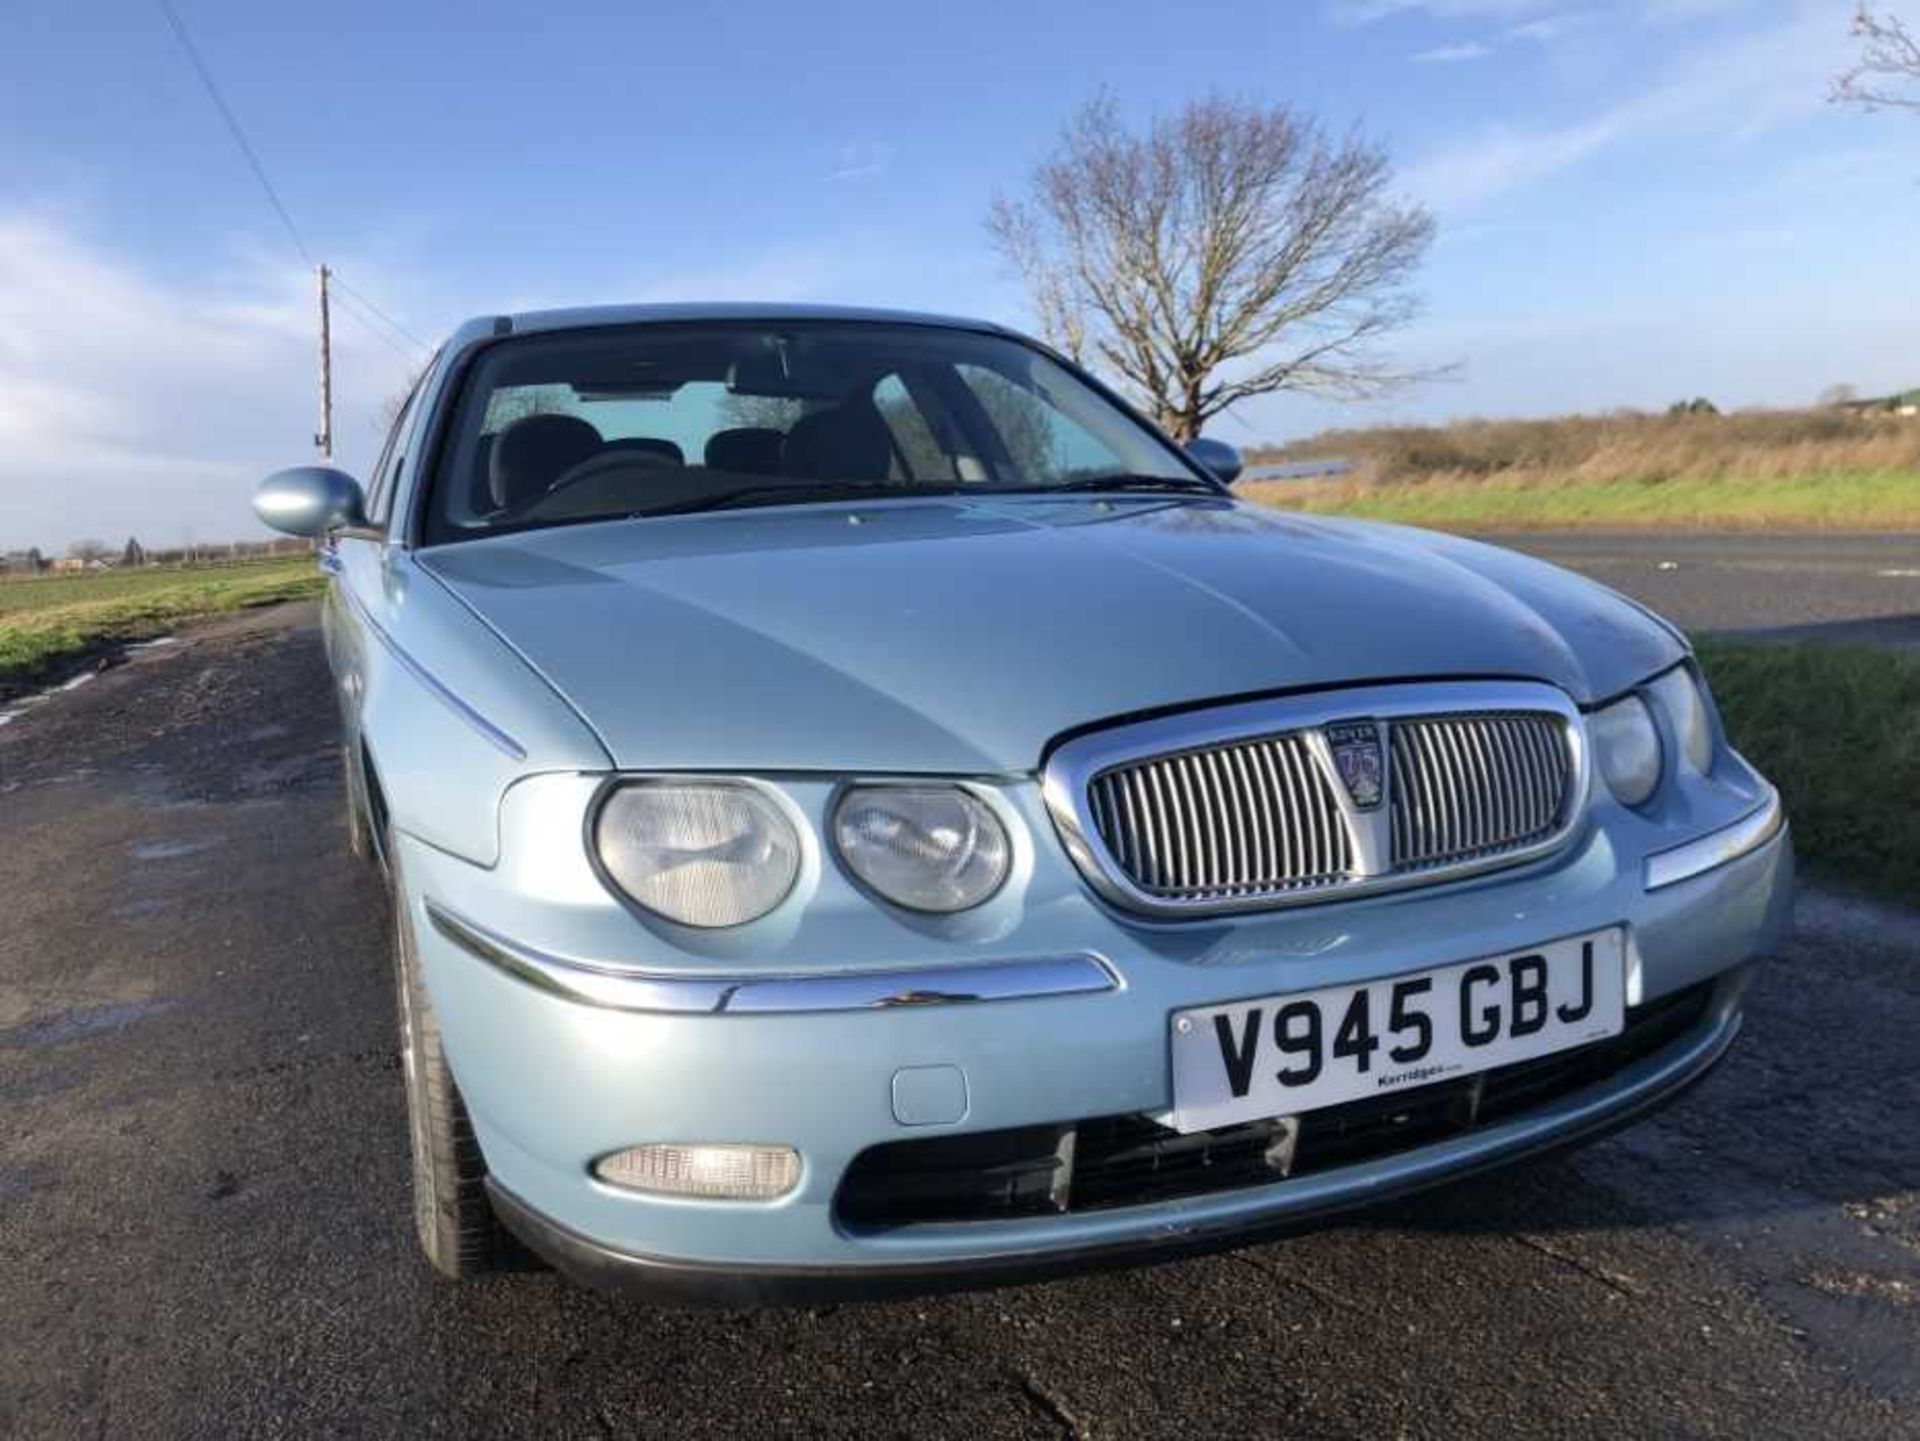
(1647, 12)
(1549, 28)
(1681, 12)
(1366, 12)
(1723, 88)
(131, 406)
(861, 160)
(1454, 54)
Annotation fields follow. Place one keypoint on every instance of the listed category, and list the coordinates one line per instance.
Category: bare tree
(89, 550)
(389, 413)
(1230, 250)
(1835, 396)
(1887, 74)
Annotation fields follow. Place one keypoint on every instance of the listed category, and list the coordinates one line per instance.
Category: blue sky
(1639, 199)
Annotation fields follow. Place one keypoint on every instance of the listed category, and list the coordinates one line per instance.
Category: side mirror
(1216, 456)
(312, 500)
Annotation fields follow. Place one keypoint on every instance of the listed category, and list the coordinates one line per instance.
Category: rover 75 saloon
(867, 812)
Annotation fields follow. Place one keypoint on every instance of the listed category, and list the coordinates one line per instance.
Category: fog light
(729, 1172)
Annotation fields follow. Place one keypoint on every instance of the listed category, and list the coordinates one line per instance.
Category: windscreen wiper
(1159, 484)
(789, 492)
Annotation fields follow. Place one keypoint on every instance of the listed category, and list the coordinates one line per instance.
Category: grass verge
(45, 622)
(1837, 728)
(1841, 501)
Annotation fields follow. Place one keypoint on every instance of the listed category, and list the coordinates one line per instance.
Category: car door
(354, 565)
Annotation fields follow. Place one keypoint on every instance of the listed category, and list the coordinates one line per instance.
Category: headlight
(928, 848)
(1626, 747)
(1679, 696)
(703, 853)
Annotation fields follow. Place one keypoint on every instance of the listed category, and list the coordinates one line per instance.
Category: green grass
(45, 621)
(1845, 501)
(1837, 728)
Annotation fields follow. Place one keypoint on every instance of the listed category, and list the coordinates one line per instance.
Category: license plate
(1283, 1055)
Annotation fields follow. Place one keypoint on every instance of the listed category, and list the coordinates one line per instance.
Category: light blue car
(867, 813)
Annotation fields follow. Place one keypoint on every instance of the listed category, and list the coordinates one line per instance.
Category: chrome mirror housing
(1219, 458)
(312, 500)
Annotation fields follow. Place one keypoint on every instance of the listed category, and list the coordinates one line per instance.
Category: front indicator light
(718, 1172)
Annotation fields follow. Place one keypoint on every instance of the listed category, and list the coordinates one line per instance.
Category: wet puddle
(82, 1022)
(169, 850)
(22, 704)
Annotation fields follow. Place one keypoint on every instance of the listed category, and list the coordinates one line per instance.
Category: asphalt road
(203, 1217)
(1786, 586)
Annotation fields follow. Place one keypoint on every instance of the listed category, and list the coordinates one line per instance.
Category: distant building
(1905, 403)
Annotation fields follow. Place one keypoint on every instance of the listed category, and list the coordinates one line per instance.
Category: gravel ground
(203, 1219)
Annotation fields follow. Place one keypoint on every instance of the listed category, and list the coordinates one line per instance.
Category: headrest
(849, 442)
(535, 451)
(750, 450)
(650, 445)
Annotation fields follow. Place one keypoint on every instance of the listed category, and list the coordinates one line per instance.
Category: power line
(369, 315)
(233, 127)
(392, 324)
(351, 302)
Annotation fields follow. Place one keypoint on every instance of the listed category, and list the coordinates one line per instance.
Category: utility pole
(323, 438)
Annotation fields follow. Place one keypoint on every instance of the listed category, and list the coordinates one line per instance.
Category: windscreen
(657, 420)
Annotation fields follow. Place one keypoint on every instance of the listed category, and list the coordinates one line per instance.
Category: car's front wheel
(455, 1221)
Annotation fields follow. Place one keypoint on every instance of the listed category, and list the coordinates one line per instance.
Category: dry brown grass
(1748, 445)
(1805, 469)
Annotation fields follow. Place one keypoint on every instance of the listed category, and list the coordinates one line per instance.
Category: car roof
(588, 317)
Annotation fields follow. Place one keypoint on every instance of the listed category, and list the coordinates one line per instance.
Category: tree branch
(1231, 239)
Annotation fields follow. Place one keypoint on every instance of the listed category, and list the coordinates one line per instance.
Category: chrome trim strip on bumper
(1716, 848)
(1073, 766)
(629, 990)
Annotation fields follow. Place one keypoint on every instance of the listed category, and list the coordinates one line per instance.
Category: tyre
(359, 833)
(451, 1213)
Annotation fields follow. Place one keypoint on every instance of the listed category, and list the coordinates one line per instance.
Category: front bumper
(552, 1083)
(1294, 1206)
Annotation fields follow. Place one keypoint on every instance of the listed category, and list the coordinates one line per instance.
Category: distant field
(1812, 502)
(47, 620)
(1786, 469)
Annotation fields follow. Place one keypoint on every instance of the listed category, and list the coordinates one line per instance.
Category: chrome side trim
(488, 731)
(650, 991)
(1716, 848)
(1073, 765)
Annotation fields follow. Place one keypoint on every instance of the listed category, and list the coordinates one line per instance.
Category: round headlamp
(702, 853)
(1626, 748)
(1678, 694)
(927, 848)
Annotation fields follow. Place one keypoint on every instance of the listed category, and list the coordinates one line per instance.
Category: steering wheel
(608, 460)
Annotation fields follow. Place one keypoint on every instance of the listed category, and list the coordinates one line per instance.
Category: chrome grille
(1471, 786)
(1245, 806)
(1235, 820)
